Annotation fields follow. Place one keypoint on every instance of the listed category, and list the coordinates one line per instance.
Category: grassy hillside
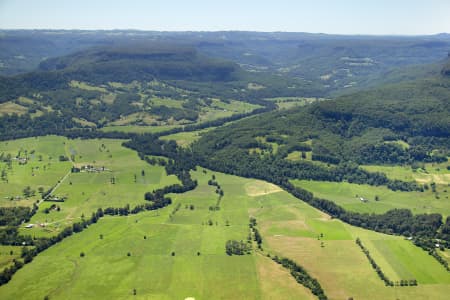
(162, 85)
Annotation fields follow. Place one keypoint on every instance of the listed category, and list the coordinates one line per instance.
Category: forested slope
(400, 123)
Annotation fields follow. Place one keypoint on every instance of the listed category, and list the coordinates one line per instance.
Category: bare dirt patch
(437, 178)
(259, 188)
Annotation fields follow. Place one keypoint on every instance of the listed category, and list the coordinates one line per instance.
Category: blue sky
(327, 16)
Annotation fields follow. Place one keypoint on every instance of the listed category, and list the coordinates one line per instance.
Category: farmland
(85, 191)
(349, 195)
(437, 173)
(185, 139)
(178, 251)
(290, 102)
(231, 165)
(33, 162)
(326, 247)
(199, 267)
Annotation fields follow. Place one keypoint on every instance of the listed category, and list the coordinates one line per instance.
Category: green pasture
(326, 248)
(42, 169)
(219, 109)
(156, 101)
(198, 268)
(123, 254)
(8, 254)
(7, 108)
(432, 172)
(186, 138)
(290, 102)
(348, 196)
(88, 191)
(297, 156)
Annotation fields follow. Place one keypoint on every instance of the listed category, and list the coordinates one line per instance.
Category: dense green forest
(394, 124)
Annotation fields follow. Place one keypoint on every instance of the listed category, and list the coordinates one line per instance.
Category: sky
(397, 17)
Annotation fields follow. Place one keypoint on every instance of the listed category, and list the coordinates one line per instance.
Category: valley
(237, 165)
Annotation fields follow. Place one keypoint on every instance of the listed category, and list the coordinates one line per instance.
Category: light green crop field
(185, 139)
(292, 229)
(88, 191)
(155, 101)
(290, 102)
(85, 86)
(348, 196)
(297, 155)
(219, 109)
(437, 173)
(199, 267)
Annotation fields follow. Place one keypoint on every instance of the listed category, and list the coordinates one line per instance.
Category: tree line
(395, 221)
(302, 276)
(383, 277)
(157, 199)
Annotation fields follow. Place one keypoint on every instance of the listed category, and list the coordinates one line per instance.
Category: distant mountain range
(333, 61)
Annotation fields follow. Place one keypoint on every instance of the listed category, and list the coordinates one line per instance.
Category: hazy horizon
(346, 17)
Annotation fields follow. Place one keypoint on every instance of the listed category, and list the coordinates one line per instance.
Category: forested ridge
(365, 128)
(102, 85)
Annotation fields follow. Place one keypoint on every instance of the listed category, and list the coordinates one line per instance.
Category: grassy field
(219, 109)
(292, 229)
(85, 86)
(437, 173)
(199, 267)
(42, 168)
(141, 118)
(10, 107)
(185, 139)
(179, 252)
(88, 191)
(348, 196)
(8, 254)
(155, 101)
(290, 102)
(297, 156)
